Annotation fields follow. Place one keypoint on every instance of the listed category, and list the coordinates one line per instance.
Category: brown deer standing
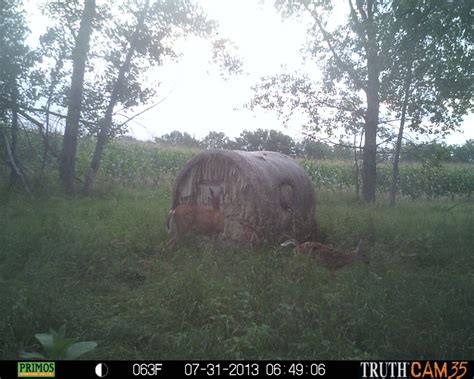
(328, 256)
(187, 218)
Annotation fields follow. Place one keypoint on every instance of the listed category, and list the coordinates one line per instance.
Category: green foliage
(179, 139)
(136, 163)
(98, 265)
(291, 94)
(56, 346)
(111, 43)
(263, 139)
(16, 56)
(426, 49)
(436, 181)
(423, 45)
(225, 54)
(464, 153)
(440, 152)
(321, 151)
(329, 174)
(216, 140)
(416, 180)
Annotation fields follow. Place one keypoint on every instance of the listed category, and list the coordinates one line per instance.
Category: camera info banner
(458, 369)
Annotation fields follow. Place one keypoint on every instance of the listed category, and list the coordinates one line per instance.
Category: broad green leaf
(26, 355)
(76, 350)
(61, 345)
(62, 331)
(46, 340)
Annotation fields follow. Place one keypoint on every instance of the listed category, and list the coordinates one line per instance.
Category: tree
(15, 61)
(56, 46)
(145, 40)
(109, 74)
(315, 149)
(464, 153)
(428, 151)
(427, 63)
(356, 58)
(79, 57)
(114, 80)
(179, 139)
(106, 123)
(277, 141)
(262, 139)
(216, 140)
(351, 56)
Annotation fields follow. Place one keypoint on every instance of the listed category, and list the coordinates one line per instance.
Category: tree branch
(13, 164)
(345, 67)
(386, 140)
(361, 10)
(45, 139)
(328, 141)
(359, 23)
(353, 12)
(60, 115)
(146, 109)
(41, 130)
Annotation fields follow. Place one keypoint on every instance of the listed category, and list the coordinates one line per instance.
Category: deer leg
(172, 242)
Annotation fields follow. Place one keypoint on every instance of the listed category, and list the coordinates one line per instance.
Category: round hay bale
(264, 194)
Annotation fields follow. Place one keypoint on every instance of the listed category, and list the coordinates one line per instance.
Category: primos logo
(36, 369)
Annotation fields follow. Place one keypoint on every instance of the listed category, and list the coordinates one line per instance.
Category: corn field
(137, 163)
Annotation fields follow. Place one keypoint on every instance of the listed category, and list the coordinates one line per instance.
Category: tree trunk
(44, 159)
(356, 166)
(369, 162)
(68, 157)
(95, 163)
(106, 125)
(52, 86)
(357, 150)
(369, 156)
(15, 175)
(398, 146)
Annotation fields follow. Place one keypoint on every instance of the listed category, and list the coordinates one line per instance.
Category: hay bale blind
(264, 195)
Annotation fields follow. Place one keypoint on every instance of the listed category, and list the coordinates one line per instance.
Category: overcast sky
(198, 100)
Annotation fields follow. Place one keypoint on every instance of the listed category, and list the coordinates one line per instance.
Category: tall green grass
(98, 266)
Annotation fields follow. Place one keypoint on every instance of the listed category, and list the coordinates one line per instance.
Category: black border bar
(459, 369)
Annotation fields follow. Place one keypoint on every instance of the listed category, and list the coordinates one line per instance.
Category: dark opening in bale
(264, 195)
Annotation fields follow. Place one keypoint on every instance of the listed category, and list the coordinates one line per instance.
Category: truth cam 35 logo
(416, 369)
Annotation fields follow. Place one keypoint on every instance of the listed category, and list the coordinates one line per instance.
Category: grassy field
(97, 265)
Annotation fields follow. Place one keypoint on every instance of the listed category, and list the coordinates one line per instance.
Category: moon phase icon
(101, 370)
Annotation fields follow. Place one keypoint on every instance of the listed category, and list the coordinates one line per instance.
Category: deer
(187, 218)
(328, 256)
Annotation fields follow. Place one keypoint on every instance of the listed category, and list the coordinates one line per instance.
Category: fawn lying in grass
(187, 218)
(328, 256)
